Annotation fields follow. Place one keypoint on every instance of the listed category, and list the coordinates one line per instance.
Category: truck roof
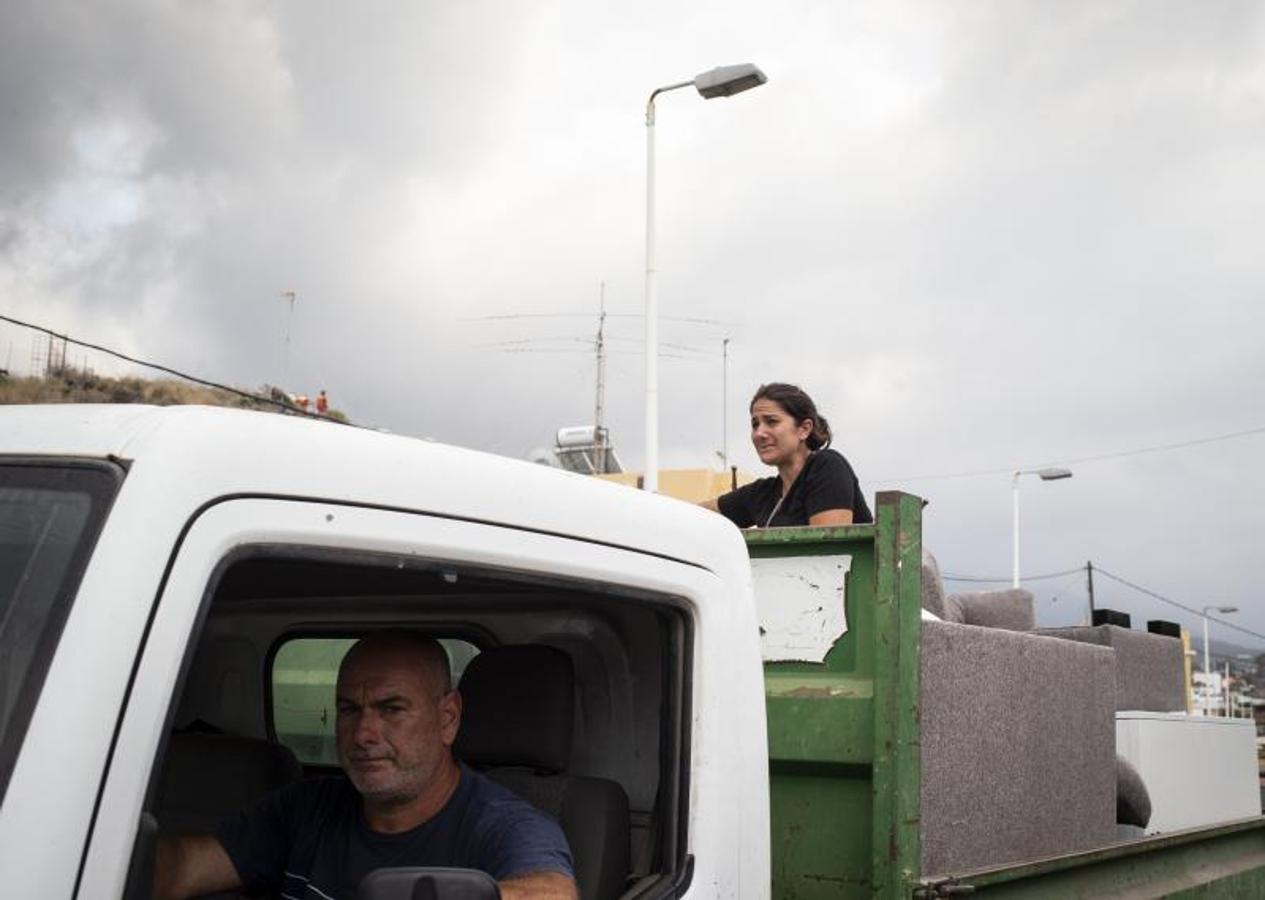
(194, 455)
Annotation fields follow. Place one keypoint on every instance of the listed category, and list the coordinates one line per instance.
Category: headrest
(208, 776)
(518, 708)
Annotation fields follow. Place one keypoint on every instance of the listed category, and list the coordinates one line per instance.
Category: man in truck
(406, 800)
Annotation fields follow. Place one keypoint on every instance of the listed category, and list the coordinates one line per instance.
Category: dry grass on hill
(77, 388)
(74, 386)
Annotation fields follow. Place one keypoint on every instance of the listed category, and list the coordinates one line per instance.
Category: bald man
(406, 800)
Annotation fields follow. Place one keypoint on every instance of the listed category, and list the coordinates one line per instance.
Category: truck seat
(516, 727)
(207, 777)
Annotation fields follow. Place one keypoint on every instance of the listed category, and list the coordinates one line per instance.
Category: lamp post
(1053, 474)
(1243, 706)
(723, 81)
(1225, 610)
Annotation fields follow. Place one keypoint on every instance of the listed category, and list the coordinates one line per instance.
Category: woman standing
(814, 485)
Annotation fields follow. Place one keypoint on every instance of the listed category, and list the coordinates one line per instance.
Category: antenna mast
(288, 296)
(599, 432)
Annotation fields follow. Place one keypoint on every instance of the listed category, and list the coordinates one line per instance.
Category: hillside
(77, 386)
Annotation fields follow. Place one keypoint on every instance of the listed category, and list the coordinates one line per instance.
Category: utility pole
(1089, 575)
(55, 359)
(288, 296)
(599, 430)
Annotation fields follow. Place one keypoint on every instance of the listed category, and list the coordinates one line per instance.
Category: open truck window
(50, 514)
(259, 689)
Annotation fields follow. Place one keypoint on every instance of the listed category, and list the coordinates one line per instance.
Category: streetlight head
(1053, 474)
(723, 81)
(1227, 609)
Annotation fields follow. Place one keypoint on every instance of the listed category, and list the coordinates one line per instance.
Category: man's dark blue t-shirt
(310, 840)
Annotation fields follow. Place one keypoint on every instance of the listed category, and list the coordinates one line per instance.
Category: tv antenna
(289, 297)
(599, 431)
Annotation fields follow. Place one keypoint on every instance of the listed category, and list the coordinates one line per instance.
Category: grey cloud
(989, 238)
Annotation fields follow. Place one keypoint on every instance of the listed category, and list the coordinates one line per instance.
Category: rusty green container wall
(843, 734)
(1225, 862)
(845, 767)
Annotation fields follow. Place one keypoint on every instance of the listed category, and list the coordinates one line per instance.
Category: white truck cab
(185, 570)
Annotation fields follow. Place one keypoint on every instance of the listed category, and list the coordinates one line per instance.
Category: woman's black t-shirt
(825, 482)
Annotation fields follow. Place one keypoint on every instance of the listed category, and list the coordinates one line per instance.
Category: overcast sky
(984, 236)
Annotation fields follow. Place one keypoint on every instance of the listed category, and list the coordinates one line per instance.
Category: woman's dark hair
(799, 406)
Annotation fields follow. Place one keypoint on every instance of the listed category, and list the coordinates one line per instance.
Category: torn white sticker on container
(799, 601)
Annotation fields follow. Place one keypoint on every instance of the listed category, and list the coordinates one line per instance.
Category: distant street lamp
(1225, 610)
(1045, 475)
(719, 82)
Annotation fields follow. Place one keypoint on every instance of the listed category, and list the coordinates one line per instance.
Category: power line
(1171, 602)
(570, 338)
(531, 343)
(979, 579)
(642, 341)
(1159, 448)
(1114, 577)
(1065, 585)
(578, 351)
(1077, 460)
(259, 398)
(506, 316)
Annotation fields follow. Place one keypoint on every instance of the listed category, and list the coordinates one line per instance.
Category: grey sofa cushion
(932, 586)
(1018, 747)
(1011, 608)
(1149, 667)
(934, 599)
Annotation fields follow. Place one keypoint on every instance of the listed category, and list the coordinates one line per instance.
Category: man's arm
(194, 865)
(539, 886)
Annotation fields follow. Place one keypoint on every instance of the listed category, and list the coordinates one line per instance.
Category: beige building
(694, 485)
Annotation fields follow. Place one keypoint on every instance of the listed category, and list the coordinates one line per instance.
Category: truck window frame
(670, 860)
(100, 480)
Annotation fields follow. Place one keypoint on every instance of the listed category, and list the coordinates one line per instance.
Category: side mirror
(428, 884)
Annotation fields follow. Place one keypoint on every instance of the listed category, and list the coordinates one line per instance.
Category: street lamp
(723, 81)
(1221, 609)
(1053, 474)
